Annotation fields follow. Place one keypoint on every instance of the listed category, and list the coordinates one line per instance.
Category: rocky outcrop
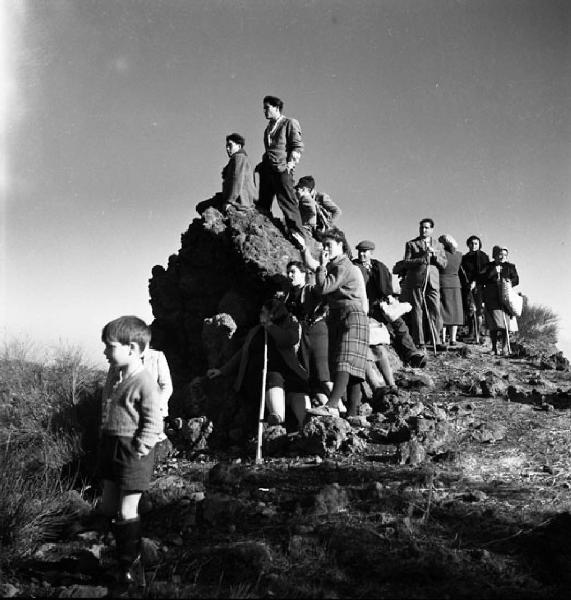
(204, 303)
(213, 286)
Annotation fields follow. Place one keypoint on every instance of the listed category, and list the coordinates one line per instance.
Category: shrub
(48, 416)
(538, 324)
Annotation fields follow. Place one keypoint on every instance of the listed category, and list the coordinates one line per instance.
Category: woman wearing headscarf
(497, 317)
(472, 264)
(451, 290)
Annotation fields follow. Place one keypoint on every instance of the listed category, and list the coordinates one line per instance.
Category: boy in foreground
(130, 426)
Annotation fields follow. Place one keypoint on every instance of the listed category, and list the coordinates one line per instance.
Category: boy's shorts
(120, 463)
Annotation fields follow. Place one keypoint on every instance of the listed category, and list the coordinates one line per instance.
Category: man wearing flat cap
(379, 286)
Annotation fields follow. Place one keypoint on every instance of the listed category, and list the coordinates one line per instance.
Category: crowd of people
(337, 305)
(316, 342)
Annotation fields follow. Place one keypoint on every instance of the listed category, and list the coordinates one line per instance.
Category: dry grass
(42, 438)
(538, 323)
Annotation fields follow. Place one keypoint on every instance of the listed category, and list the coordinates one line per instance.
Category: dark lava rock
(493, 385)
(225, 475)
(556, 362)
(274, 440)
(233, 562)
(330, 500)
(323, 435)
(489, 432)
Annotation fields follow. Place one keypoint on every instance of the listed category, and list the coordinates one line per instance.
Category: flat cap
(365, 245)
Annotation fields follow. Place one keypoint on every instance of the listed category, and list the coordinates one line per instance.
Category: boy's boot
(128, 539)
(96, 520)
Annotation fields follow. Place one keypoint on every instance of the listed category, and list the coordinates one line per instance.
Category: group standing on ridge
(317, 341)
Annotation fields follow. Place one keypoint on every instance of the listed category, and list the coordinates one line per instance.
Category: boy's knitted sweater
(131, 407)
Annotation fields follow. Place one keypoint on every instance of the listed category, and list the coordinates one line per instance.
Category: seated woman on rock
(238, 187)
(286, 379)
(307, 305)
(341, 283)
(497, 317)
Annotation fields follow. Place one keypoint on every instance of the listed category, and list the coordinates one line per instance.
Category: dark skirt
(451, 306)
(120, 463)
(314, 351)
(348, 340)
(278, 375)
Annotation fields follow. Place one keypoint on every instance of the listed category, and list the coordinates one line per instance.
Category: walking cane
(259, 459)
(506, 324)
(473, 297)
(476, 328)
(430, 324)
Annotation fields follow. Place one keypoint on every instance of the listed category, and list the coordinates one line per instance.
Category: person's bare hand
(213, 373)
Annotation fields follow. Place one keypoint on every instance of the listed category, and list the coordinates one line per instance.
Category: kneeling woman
(284, 373)
(341, 283)
(497, 317)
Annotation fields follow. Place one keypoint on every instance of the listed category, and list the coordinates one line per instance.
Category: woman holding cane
(284, 376)
(497, 318)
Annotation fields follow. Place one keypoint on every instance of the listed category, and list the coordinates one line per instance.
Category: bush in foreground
(47, 415)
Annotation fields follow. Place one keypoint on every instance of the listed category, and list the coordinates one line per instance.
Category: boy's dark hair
(298, 264)
(277, 310)
(236, 138)
(274, 101)
(427, 220)
(125, 330)
(307, 181)
(334, 233)
(473, 237)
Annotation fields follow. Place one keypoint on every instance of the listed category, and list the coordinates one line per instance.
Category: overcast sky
(114, 114)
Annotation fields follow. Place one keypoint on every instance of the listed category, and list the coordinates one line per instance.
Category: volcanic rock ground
(459, 487)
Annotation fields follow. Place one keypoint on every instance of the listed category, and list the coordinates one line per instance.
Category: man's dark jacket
(378, 281)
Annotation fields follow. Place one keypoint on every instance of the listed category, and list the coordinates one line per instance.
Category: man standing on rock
(423, 257)
(379, 286)
(283, 147)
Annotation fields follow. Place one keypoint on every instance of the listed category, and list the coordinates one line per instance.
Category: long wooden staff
(429, 319)
(262, 400)
(506, 325)
(476, 328)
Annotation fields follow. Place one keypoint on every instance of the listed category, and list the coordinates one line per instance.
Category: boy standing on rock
(130, 425)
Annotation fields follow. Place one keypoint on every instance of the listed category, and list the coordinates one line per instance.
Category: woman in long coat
(451, 290)
(472, 264)
(497, 317)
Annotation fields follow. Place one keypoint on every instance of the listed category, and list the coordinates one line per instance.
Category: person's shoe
(274, 419)
(388, 390)
(453, 343)
(323, 411)
(441, 347)
(417, 361)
